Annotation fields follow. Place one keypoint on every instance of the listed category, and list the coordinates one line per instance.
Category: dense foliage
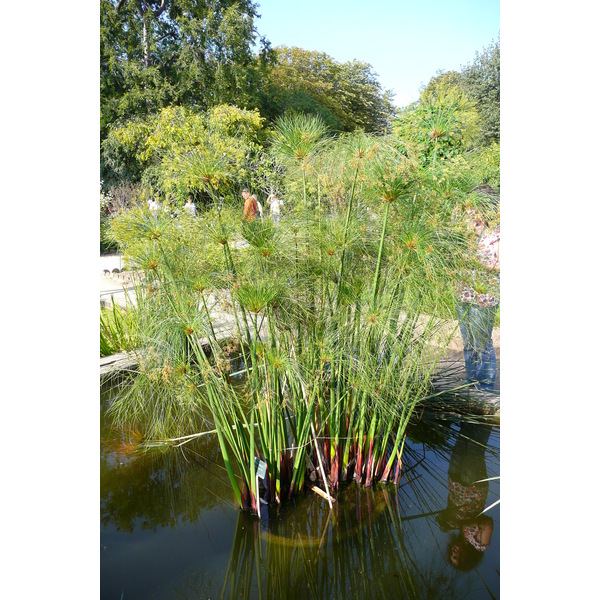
(159, 150)
(341, 310)
(482, 81)
(346, 96)
(198, 55)
(340, 313)
(182, 52)
(457, 111)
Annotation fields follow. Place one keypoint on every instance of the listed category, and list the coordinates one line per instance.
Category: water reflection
(170, 530)
(467, 495)
(361, 549)
(159, 488)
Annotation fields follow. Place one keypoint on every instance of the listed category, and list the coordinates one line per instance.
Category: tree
(443, 123)
(145, 8)
(346, 96)
(178, 150)
(456, 110)
(362, 97)
(154, 53)
(482, 82)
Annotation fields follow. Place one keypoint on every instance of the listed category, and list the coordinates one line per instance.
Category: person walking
(250, 206)
(275, 204)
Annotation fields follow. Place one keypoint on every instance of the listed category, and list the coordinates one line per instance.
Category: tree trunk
(145, 45)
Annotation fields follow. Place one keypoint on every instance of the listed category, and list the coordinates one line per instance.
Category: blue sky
(405, 41)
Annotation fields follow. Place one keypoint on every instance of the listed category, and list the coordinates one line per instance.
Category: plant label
(261, 467)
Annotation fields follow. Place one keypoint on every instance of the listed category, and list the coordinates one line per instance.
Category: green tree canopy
(346, 96)
(154, 53)
(443, 123)
(180, 150)
(482, 82)
(456, 111)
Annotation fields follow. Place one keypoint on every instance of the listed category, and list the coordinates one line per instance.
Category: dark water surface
(169, 527)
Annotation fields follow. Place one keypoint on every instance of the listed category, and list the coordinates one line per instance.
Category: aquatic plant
(298, 138)
(335, 335)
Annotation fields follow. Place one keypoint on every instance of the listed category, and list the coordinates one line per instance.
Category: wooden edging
(117, 362)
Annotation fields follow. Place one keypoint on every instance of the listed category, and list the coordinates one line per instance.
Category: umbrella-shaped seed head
(436, 133)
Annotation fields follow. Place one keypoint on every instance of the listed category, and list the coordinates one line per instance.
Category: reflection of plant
(170, 479)
(302, 553)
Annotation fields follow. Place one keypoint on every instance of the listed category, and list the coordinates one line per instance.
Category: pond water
(170, 528)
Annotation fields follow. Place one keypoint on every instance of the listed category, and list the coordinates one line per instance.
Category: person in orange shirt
(250, 206)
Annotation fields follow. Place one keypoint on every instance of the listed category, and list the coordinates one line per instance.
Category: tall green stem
(346, 225)
(304, 183)
(380, 255)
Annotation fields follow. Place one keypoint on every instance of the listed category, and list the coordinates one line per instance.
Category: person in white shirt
(275, 204)
(190, 207)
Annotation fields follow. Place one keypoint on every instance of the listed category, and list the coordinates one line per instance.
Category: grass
(119, 330)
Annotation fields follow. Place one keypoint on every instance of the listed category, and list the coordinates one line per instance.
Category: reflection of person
(478, 304)
(467, 494)
(250, 206)
(190, 207)
(466, 548)
(275, 204)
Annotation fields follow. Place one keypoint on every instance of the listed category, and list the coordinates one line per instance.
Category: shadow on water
(169, 528)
